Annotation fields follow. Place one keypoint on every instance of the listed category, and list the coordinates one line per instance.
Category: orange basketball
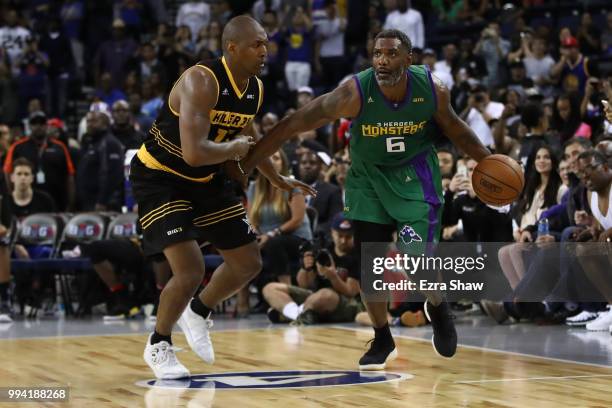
(498, 180)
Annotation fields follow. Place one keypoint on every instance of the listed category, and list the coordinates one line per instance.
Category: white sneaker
(162, 359)
(602, 323)
(196, 329)
(581, 318)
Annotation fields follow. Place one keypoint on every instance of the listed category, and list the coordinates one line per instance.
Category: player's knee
(272, 288)
(324, 300)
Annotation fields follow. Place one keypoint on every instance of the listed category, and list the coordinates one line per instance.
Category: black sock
(156, 338)
(4, 295)
(200, 308)
(383, 333)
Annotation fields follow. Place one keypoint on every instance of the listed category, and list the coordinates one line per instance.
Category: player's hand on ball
(289, 184)
(240, 146)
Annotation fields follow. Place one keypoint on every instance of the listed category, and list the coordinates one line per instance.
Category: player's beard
(392, 79)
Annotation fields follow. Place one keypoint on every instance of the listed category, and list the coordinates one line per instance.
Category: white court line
(513, 353)
(567, 377)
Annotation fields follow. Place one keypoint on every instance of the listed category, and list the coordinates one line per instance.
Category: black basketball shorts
(172, 210)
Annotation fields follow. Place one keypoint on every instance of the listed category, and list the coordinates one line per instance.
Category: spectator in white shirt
(480, 112)
(408, 20)
(195, 15)
(13, 39)
(429, 59)
(449, 53)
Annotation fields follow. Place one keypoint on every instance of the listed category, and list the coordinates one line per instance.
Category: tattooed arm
(462, 136)
(342, 102)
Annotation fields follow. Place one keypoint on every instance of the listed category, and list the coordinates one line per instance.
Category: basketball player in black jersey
(184, 196)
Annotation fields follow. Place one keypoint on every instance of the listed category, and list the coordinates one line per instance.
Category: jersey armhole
(175, 113)
(358, 84)
(433, 88)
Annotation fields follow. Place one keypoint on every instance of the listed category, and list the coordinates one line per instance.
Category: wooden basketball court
(103, 371)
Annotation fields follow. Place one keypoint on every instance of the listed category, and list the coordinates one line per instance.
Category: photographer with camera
(328, 282)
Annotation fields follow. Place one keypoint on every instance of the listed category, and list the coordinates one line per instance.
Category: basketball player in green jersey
(394, 182)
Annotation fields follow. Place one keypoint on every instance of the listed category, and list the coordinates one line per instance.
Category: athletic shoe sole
(432, 336)
(373, 367)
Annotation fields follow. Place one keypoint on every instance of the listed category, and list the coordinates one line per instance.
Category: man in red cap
(573, 69)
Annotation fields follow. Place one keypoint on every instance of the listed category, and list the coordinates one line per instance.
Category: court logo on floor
(277, 379)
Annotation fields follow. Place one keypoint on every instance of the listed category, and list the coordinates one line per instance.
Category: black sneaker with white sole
(382, 350)
(444, 339)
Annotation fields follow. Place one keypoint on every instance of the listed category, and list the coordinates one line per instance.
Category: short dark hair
(585, 143)
(400, 35)
(531, 115)
(595, 154)
(22, 161)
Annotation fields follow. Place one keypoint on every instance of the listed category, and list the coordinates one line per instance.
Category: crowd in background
(527, 76)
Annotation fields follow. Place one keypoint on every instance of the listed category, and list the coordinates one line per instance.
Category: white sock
(300, 309)
(291, 310)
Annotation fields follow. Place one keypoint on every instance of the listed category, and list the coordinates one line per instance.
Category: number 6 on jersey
(396, 144)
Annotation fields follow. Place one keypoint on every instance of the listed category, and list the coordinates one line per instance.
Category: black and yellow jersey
(233, 110)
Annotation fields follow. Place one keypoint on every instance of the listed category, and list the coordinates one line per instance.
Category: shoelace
(165, 352)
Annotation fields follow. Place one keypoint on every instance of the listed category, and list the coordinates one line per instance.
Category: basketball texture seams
(498, 180)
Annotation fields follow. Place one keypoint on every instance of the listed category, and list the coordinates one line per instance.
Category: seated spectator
(107, 93)
(5, 142)
(328, 283)
(280, 221)
(183, 44)
(449, 59)
(328, 201)
(149, 63)
(112, 259)
(588, 35)
(479, 111)
(542, 190)
(429, 59)
(54, 170)
(476, 216)
(143, 122)
(209, 39)
(595, 259)
(536, 121)
(566, 117)
(26, 200)
(115, 55)
(152, 99)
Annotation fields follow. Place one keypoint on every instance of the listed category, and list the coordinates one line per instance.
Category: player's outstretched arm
(344, 101)
(454, 128)
(196, 98)
(267, 169)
